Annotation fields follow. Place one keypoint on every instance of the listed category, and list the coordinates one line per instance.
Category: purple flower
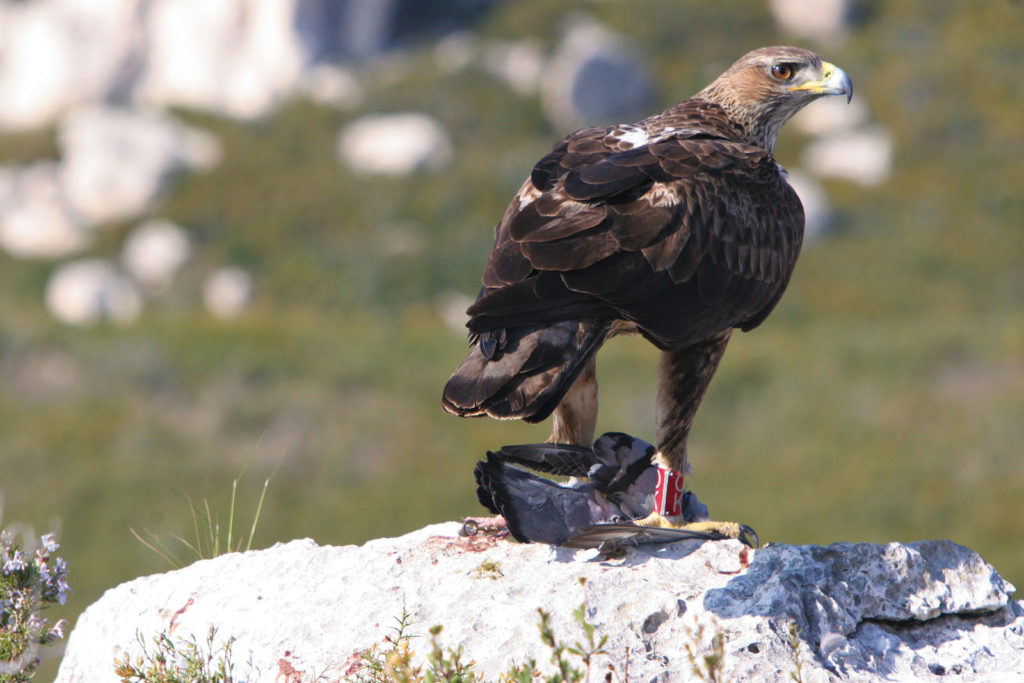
(50, 542)
(15, 562)
(58, 629)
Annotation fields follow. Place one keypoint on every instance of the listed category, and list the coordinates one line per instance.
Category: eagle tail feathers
(527, 375)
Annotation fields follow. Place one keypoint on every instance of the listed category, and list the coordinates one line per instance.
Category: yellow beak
(834, 81)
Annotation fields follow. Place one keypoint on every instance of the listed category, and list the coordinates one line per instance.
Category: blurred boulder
(234, 57)
(520, 64)
(451, 307)
(90, 291)
(115, 162)
(58, 53)
(226, 293)
(155, 251)
(817, 208)
(863, 156)
(595, 77)
(831, 115)
(456, 51)
(35, 221)
(394, 144)
(824, 21)
(332, 85)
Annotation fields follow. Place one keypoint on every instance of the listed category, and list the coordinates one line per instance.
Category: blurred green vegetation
(882, 401)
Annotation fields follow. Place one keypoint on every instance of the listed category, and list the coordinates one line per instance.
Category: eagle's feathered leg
(684, 375)
(575, 419)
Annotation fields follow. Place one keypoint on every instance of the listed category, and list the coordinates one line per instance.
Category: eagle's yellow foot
(709, 529)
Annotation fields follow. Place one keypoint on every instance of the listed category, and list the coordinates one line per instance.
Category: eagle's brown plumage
(680, 227)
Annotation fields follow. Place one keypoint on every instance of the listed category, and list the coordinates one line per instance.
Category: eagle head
(764, 88)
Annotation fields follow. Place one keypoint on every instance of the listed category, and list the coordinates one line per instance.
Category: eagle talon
(716, 531)
(659, 530)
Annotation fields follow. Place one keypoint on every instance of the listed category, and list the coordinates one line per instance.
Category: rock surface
(301, 612)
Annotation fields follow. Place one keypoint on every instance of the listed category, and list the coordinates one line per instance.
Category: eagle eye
(783, 71)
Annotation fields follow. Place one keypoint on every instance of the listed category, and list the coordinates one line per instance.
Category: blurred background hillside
(239, 237)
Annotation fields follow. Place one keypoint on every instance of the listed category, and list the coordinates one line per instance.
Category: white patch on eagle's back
(527, 194)
(662, 195)
(634, 136)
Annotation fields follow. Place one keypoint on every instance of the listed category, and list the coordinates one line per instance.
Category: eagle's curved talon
(749, 537)
(709, 529)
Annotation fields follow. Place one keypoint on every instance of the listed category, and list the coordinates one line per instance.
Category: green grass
(881, 401)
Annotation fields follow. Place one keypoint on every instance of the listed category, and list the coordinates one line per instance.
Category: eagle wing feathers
(704, 225)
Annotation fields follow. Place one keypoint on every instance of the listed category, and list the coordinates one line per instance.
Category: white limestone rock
(299, 611)
(35, 220)
(234, 57)
(825, 21)
(116, 162)
(55, 54)
(451, 307)
(226, 293)
(456, 51)
(332, 85)
(394, 144)
(90, 291)
(519, 63)
(831, 115)
(155, 251)
(863, 156)
(817, 208)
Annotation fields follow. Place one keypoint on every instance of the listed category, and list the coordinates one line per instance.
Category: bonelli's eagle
(680, 227)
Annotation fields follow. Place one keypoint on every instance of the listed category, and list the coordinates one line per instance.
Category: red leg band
(668, 495)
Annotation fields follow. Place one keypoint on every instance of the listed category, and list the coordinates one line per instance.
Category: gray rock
(863, 611)
(595, 77)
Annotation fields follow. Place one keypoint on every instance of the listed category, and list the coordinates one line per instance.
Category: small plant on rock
(395, 663)
(182, 662)
(707, 665)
